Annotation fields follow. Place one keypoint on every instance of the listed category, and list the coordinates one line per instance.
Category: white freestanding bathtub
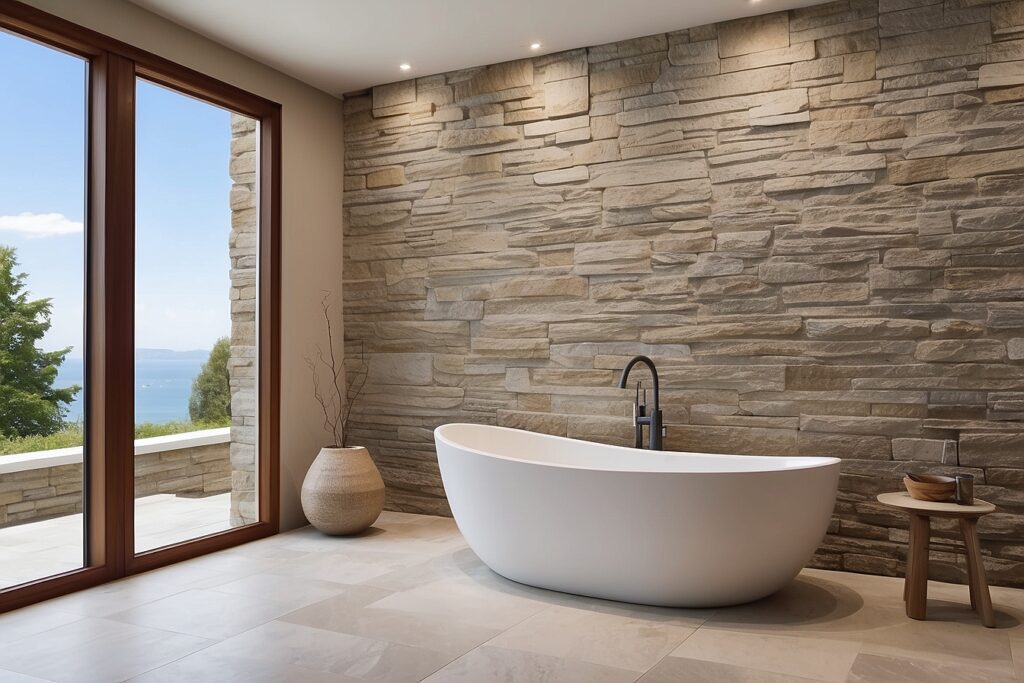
(648, 527)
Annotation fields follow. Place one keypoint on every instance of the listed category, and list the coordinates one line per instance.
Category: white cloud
(34, 225)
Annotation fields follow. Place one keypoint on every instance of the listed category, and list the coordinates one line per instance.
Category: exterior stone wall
(34, 494)
(812, 220)
(242, 364)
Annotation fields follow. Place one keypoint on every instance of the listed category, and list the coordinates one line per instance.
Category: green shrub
(211, 390)
(72, 435)
(29, 404)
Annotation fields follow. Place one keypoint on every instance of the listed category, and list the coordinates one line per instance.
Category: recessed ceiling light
(535, 46)
(404, 67)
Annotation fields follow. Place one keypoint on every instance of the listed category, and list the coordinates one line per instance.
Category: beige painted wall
(312, 169)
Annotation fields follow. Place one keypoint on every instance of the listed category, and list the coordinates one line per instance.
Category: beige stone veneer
(243, 249)
(33, 494)
(811, 220)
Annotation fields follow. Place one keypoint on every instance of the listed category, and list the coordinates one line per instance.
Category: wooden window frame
(108, 485)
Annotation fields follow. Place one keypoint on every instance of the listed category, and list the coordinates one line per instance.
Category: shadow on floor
(805, 602)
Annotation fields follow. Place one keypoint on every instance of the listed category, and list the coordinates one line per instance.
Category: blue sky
(182, 214)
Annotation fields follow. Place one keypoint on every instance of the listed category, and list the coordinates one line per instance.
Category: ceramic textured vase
(343, 492)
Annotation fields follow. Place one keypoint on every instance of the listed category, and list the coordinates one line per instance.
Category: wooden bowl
(934, 488)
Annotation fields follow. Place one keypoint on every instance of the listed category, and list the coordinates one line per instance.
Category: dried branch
(353, 395)
(336, 404)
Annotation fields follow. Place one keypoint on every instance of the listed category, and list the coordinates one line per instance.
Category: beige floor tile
(498, 665)
(29, 621)
(331, 652)
(115, 597)
(1017, 652)
(426, 570)
(97, 650)
(807, 657)
(15, 677)
(352, 566)
(282, 589)
(820, 604)
(204, 666)
(464, 601)
(957, 643)
(396, 626)
(409, 600)
(870, 668)
(682, 670)
(205, 613)
(591, 636)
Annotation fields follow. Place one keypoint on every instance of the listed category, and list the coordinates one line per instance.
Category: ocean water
(162, 386)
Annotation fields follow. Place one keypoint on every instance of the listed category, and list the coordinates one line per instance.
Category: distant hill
(168, 354)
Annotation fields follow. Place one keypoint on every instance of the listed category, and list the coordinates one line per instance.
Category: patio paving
(53, 546)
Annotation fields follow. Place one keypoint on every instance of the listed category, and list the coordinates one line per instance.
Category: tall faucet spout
(629, 367)
(641, 417)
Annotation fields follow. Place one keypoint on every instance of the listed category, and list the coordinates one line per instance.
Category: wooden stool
(915, 587)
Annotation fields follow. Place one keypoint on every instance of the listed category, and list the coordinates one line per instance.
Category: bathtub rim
(813, 461)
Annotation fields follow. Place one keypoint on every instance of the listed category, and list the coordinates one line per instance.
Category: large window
(138, 310)
(195, 314)
(43, 134)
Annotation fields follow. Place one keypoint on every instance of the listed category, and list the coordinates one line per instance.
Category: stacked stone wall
(812, 220)
(242, 363)
(44, 492)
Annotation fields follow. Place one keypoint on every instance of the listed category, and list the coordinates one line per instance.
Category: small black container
(964, 489)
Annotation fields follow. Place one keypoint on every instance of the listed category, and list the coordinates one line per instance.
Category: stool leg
(970, 572)
(917, 581)
(969, 528)
(908, 572)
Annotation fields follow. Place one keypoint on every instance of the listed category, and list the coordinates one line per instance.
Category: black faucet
(655, 430)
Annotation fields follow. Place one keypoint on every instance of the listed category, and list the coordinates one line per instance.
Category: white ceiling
(345, 45)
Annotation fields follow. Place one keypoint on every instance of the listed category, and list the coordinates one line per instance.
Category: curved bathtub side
(673, 539)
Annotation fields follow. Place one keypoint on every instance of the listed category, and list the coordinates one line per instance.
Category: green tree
(211, 390)
(29, 404)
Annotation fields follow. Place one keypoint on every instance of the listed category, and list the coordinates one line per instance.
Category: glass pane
(195, 318)
(42, 295)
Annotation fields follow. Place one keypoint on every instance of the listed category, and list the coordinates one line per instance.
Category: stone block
(386, 177)
(743, 241)
(917, 171)
(646, 171)
(700, 52)
(689, 89)
(799, 52)
(825, 292)
(566, 98)
(495, 79)
(551, 127)
(960, 350)
(933, 45)
(991, 449)
(394, 94)
(714, 265)
(925, 450)
(610, 80)
(1001, 74)
(575, 174)
(400, 368)
(859, 66)
(477, 137)
(753, 34)
(829, 133)
(604, 258)
(866, 328)
(818, 69)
